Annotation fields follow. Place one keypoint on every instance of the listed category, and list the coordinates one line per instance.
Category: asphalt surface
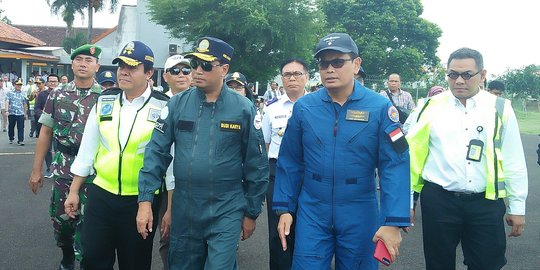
(27, 241)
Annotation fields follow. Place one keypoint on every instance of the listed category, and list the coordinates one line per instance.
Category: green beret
(87, 49)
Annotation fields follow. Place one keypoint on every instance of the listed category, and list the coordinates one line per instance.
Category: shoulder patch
(270, 102)
(393, 114)
(397, 138)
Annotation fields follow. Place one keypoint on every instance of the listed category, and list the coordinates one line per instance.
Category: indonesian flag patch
(399, 143)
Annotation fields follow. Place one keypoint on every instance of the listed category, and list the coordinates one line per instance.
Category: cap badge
(203, 46)
(330, 40)
(92, 50)
(236, 75)
(108, 74)
(130, 47)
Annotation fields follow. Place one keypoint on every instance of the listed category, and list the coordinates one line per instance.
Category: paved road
(27, 241)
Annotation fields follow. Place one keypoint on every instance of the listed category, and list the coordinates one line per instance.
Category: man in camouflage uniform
(63, 121)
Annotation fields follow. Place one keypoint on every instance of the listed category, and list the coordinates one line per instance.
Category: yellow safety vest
(117, 170)
(418, 139)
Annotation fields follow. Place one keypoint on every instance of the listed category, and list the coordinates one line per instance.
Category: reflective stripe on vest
(117, 170)
(418, 139)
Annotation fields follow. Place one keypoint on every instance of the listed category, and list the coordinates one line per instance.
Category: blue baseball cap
(211, 49)
(237, 77)
(106, 76)
(135, 53)
(340, 42)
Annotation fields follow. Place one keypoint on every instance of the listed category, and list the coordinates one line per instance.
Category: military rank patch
(399, 143)
(230, 126)
(153, 115)
(393, 114)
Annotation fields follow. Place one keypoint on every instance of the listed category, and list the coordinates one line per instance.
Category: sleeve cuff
(46, 119)
(146, 197)
(169, 183)
(79, 169)
(516, 207)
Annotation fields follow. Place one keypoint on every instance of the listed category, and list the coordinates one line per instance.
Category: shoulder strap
(390, 97)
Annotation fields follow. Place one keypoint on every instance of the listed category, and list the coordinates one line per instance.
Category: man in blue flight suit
(220, 165)
(335, 139)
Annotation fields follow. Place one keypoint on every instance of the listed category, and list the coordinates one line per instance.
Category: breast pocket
(229, 144)
(184, 133)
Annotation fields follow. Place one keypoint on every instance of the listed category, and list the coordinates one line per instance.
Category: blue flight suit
(221, 175)
(326, 175)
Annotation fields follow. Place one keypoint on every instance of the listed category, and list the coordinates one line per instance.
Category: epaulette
(159, 95)
(112, 91)
(270, 102)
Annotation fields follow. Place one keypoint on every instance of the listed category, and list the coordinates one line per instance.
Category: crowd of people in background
(340, 166)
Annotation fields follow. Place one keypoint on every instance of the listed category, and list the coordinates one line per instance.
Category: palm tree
(68, 9)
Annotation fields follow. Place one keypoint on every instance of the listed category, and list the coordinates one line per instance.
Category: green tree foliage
(72, 43)
(262, 32)
(391, 36)
(68, 8)
(523, 82)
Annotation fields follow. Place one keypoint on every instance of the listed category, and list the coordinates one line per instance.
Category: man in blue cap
(107, 79)
(117, 131)
(325, 176)
(220, 166)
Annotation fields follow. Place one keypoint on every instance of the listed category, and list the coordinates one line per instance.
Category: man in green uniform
(63, 120)
(220, 166)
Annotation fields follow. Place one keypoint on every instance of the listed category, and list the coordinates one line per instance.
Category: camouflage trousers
(67, 231)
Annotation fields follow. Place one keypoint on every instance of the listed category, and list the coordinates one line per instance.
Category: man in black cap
(63, 120)
(107, 79)
(325, 175)
(113, 144)
(220, 166)
(16, 108)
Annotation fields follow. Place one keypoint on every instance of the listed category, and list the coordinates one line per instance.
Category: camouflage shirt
(66, 111)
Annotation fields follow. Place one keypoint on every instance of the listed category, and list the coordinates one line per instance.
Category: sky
(505, 32)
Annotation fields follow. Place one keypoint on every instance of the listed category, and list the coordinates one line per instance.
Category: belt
(272, 160)
(460, 195)
(72, 151)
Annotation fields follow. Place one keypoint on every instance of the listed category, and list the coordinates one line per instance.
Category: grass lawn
(529, 123)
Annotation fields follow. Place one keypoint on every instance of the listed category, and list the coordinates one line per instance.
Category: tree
(4, 18)
(68, 9)
(71, 43)
(391, 36)
(262, 32)
(524, 81)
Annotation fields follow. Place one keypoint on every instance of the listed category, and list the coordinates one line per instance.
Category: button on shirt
(450, 135)
(274, 123)
(16, 100)
(84, 161)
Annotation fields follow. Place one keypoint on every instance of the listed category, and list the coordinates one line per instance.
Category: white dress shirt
(84, 161)
(446, 164)
(274, 123)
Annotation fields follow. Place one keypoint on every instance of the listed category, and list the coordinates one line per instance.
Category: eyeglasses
(176, 70)
(237, 87)
(296, 74)
(206, 66)
(336, 63)
(465, 75)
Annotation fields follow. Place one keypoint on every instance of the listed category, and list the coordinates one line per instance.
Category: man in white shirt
(466, 156)
(294, 74)
(5, 87)
(273, 92)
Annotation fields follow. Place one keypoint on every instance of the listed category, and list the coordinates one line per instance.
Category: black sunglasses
(465, 75)
(176, 70)
(206, 66)
(336, 63)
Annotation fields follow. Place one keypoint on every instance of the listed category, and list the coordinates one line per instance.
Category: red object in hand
(381, 253)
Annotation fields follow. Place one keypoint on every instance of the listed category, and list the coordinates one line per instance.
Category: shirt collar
(142, 98)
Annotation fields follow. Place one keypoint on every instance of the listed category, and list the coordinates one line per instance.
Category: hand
(284, 228)
(35, 181)
(391, 237)
(166, 224)
(248, 227)
(518, 224)
(144, 219)
(71, 205)
(409, 229)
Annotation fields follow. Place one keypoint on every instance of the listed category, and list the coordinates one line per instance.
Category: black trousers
(110, 230)
(279, 259)
(449, 218)
(19, 121)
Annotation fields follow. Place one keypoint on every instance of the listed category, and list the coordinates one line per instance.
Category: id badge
(475, 149)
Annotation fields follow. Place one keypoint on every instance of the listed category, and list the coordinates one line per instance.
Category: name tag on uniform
(153, 115)
(281, 116)
(475, 149)
(354, 115)
(230, 126)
